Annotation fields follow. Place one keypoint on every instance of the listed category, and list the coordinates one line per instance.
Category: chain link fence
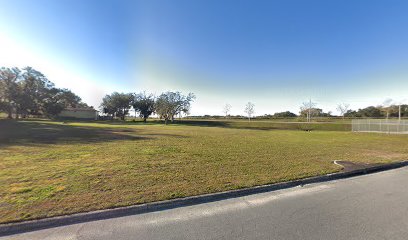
(380, 125)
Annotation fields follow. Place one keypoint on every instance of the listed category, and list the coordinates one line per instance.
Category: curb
(33, 225)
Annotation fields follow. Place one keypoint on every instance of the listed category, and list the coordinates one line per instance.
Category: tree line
(379, 112)
(26, 91)
(167, 105)
(307, 110)
(310, 110)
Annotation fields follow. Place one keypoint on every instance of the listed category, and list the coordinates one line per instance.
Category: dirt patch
(350, 166)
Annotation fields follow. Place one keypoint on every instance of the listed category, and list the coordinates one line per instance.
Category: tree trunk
(165, 121)
(144, 120)
(10, 114)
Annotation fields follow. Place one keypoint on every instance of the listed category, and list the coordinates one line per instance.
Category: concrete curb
(33, 225)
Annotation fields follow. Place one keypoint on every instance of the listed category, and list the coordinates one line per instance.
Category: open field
(50, 168)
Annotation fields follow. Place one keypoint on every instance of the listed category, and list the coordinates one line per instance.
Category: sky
(276, 54)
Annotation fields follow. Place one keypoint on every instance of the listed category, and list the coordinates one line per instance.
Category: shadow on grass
(197, 123)
(42, 132)
(253, 125)
(267, 125)
(205, 123)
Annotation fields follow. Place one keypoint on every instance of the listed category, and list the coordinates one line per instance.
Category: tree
(28, 92)
(249, 110)
(9, 89)
(143, 104)
(286, 114)
(226, 110)
(58, 99)
(397, 110)
(307, 109)
(70, 99)
(371, 111)
(53, 104)
(34, 89)
(387, 107)
(379, 112)
(352, 113)
(117, 104)
(169, 104)
(343, 108)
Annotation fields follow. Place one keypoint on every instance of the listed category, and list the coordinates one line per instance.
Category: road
(366, 207)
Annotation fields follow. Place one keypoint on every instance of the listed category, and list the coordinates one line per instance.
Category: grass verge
(52, 168)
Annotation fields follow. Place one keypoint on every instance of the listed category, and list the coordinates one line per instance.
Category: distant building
(79, 113)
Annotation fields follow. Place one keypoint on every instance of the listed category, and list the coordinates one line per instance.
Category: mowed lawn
(52, 168)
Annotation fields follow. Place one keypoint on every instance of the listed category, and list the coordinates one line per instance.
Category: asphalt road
(366, 207)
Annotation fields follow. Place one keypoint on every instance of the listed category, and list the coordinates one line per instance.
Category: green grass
(272, 124)
(52, 168)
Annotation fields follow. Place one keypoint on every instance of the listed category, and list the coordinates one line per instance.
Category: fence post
(398, 126)
(352, 125)
(358, 125)
(369, 125)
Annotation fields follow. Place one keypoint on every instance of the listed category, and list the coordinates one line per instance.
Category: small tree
(226, 110)
(143, 104)
(387, 107)
(307, 109)
(249, 110)
(169, 104)
(117, 104)
(343, 108)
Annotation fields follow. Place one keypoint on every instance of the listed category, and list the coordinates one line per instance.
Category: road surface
(366, 207)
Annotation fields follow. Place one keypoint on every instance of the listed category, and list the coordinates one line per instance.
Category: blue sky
(276, 54)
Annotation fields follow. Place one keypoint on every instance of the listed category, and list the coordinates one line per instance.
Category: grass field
(52, 168)
(273, 124)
